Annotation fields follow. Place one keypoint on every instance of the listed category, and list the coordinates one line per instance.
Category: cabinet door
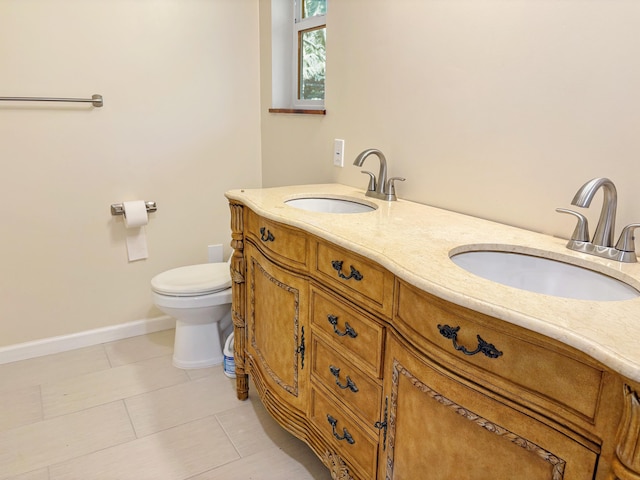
(277, 321)
(439, 427)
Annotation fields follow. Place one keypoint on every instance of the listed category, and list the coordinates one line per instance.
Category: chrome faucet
(601, 244)
(381, 187)
(603, 236)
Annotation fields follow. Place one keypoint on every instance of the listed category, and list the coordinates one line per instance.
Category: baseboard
(63, 343)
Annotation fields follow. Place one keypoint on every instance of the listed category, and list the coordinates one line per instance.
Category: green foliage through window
(311, 8)
(312, 62)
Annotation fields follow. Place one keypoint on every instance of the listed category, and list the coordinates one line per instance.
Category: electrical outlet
(338, 152)
(214, 253)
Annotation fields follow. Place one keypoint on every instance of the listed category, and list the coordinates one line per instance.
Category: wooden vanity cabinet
(383, 380)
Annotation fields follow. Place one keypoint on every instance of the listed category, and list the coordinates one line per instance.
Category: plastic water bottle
(229, 362)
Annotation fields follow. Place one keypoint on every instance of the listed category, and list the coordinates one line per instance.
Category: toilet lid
(193, 280)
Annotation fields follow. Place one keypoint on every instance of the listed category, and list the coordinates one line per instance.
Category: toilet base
(197, 345)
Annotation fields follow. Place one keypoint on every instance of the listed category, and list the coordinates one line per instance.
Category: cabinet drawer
(284, 244)
(355, 334)
(358, 278)
(538, 365)
(349, 438)
(357, 390)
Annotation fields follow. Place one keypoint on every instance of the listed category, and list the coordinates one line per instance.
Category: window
(310, 45)
(299, 34)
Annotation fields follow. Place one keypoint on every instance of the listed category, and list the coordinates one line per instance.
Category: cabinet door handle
(348, 330)
(266, 235)
(488, 349)
(383, 424)
(355, 274)
(335, 371)
(345, 434)
(301, 349)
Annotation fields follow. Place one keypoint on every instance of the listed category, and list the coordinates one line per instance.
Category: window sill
(299, 111)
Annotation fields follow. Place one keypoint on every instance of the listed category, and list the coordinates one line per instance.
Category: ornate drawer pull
(335, 371)
(355, 274)
(487, 349)
(345, 434)
(348, 329)
(266, 235)
(301, 349)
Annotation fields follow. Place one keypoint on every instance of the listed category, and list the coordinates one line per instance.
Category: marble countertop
(414, 242)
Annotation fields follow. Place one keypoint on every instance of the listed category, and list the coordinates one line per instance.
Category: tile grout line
(227, 433)
(41, 403)
(184, 422)
(106, 354)
(99, 449)
(157, 433)
(183, 381)
(133, 427)
(48, 466)
(240, 457)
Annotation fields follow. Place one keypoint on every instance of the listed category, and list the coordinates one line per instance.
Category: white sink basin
(330, 205)
(544, 275)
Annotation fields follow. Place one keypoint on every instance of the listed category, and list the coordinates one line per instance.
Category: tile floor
(121, 411)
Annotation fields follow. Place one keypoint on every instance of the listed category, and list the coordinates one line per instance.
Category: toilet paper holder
(118, 208)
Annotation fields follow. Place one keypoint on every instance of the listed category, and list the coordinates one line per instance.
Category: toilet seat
(193, 280)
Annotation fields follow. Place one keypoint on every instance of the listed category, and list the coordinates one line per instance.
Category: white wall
(495, 108)
(500, 109)
(180, 125)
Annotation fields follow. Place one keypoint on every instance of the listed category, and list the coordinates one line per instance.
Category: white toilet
(199, 298)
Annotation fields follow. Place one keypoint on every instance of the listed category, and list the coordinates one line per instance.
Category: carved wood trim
(238, 294)
(628, 438)
(292, 389)
(398, 369)
(337, 467)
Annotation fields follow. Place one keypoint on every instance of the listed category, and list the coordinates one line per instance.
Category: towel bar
(95, 100)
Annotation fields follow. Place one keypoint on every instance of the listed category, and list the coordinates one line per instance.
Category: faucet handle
(581, 232)
(391, 188)
(372, 181)
(625, 242)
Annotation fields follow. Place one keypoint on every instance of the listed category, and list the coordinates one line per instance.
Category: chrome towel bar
(95, 100)
(118, 208)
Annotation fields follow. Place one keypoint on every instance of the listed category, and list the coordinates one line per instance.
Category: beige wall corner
(496, 109)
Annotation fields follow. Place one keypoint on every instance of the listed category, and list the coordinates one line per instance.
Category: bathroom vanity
(366, 341)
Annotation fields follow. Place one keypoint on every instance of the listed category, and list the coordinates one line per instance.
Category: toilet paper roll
(135, 214)
(135, 218)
